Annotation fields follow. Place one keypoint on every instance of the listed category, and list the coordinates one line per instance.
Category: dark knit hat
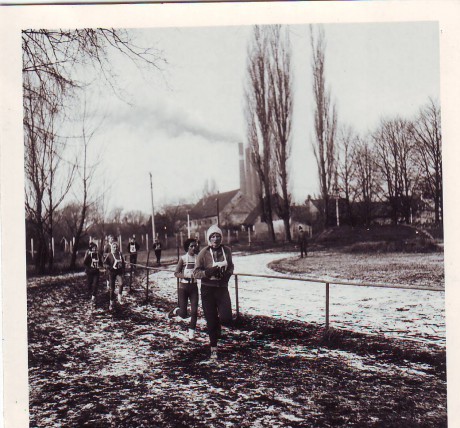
(188, 242)
(92, 245)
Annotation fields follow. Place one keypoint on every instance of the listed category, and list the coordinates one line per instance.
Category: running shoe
(120, 299)
(110, 305)
(172, 313)
(191, 334)
(213, 356)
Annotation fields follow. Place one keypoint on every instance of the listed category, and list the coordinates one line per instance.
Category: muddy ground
(134, 368)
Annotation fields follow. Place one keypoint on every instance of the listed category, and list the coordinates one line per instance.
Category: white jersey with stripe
(189, 267)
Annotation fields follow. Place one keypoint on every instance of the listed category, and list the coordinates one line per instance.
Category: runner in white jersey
(115, 264)
(188, 288)
(107, 250)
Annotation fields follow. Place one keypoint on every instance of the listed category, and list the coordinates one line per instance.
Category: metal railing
(327, 284)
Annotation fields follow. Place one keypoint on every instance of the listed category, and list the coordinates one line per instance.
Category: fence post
(147, 288)
(130, 276)
(177, 292)
(236, 298)
(327, 306)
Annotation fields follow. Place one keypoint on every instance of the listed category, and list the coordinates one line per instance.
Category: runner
(188, 288)
(115, 263)
(214, 266)
(107, 250)
(92, 263)
(133, 248)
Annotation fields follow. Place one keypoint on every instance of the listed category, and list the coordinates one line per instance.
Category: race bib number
(188, 273)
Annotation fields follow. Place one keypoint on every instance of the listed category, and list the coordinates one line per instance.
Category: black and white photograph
(229, 215)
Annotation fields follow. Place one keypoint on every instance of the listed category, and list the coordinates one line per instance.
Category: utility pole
(217, 203)
(153, 211)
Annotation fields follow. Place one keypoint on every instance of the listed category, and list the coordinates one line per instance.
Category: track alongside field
(133, 368)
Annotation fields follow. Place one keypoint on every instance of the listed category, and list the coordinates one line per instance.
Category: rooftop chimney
(243, 186)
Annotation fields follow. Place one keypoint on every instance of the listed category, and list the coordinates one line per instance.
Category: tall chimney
(243, 186)
(251, 178)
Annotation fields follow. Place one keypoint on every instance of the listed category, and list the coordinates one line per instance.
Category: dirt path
(133, 368)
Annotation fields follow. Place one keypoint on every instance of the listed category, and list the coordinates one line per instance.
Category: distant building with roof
(229, 209)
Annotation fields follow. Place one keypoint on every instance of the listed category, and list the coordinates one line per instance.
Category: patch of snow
(406, 314)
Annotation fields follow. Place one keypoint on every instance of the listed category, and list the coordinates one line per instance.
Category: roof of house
(252, 216)
(207, 206)
(299, 213)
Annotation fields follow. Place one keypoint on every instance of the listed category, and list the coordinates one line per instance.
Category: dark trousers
(112, 280)
(186, 292)
(217, 309)
(158, 255)
(303, 249)
(93, 282)
(133, 259)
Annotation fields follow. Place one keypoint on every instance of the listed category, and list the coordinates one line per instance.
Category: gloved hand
(212, 271)
(226, 277)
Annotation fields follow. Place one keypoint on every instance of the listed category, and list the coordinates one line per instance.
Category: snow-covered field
(406, 314)
(133, 367)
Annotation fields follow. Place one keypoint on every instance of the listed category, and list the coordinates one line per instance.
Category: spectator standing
(302, 239)
(214, 266)
(157, 249)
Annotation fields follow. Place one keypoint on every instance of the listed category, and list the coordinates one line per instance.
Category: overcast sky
(184, 124)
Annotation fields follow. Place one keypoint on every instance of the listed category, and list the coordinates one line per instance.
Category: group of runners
(212, 266)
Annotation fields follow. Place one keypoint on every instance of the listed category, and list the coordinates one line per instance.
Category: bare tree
(325, 121)
(116, 215)
(48, 174)
(85, 173)
(280, 77)
(367, 182)
(395, 151)
(258, 119)
(427, 133)
(52, 60)
(346, 168)
(136, 217)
